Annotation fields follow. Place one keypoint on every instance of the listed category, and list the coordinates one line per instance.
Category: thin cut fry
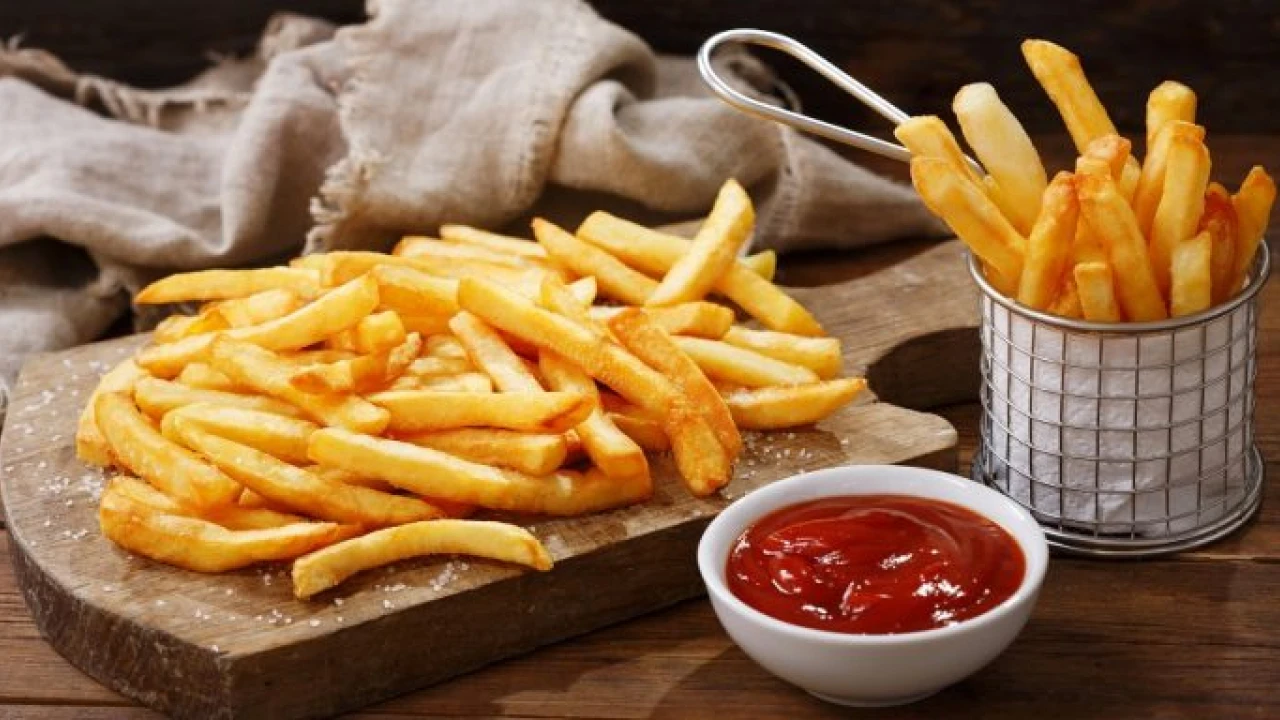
(699, 319)
(487, 351)
(1190, 289)
(821, 355)
(259, 307)
(176, 327)
(774, 408)
(927, 136)
(1169, 102)
(1095, 285)
(91, 445)
(327, 568)
(360, 374)
(283, 437)
(533, 453)
(1004, 149)
(232, 517)
(613, 277)
(1181, 203)
(443, 252)
(202, 375)
(1049, 247)
(418, 410)
(1146, 198)
(746, 367)
(1220, 221)
(763, 263)
(224, 284)
(616, 454)
(1253, 210)
(493, 241)
(712, 250)
(1111, 220)
(1067, 304)
(155, 397)
(413, 292)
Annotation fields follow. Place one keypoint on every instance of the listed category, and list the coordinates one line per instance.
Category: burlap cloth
(479, 112)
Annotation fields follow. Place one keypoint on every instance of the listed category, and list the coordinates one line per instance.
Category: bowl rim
(779, 494)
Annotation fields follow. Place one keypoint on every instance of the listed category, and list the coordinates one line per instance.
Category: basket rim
(1258, 277)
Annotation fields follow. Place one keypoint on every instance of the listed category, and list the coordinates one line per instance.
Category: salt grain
(313, 623)
(338, 602)
(214, 648)
(161, 603)
(386, 605)
(339, 618)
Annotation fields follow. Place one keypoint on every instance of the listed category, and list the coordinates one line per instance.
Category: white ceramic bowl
(872, 669)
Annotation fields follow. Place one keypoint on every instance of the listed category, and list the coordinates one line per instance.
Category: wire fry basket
(1125, 440)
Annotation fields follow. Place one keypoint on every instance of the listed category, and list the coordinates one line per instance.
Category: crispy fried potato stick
(283, 437)
(360, 374)
(1146, 198)
(739, 365)
(616, 454)
(821, 355)
(774, 408)
(156, 397)
(699, 319)
(613, 277)
(1111, 220)
(1004, 149)
(498, 243)
(259, 307)
(224, 284)
(329, 567)
(1253, 203)
(1181, 203)
(926, 136)
(203, 376)
(1190, 289)
(232, 517)
(1169, 102)
(1067, 304)
(91, 445)
(533, 453)
(655, 252)
(413, 292)
(712, 251)
(1049, 247)
(1095, 286)
(443, 252)
(488, 351)
(541, 412)
(149, 455)
(1220, 221)
(176, 327)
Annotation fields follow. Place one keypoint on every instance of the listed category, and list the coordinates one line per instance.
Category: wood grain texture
(239, 645)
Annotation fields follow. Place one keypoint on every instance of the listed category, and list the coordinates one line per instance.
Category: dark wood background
(916, 52)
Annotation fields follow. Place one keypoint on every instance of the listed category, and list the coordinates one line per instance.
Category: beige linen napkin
(478, 112)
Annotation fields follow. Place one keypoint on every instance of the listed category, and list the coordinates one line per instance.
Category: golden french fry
(1059, 73)
(1067, 303)
(616, 454)
(201, 545)
(326, 568)
(232, 517)
(202, 375)
(440, 475)
(1181, 203)
(1146, 198)
(533, 453)
(160, 461)
(360, 374)
(926, 136)
(1190, 288)
(1005, 150)
(1168, 102)
(606, 362)
(542, 412)
(283, 437)
(613, 277)
(91, 445)
(1252, 203)
(1112, 222)
(265, 372)
(435, 250)
(746, 367)
(821, 355)
(1095, 286)
(973, 217)
(1114, 151)
(176, 327)
(155, 397)
(712, 251)
(224, 284)
(429, 366)
(492, 241)
(700, 457)
(1219, 220)
(331, 313)
(413, 292)
(259, 307)
(488, 351)
(699, 319)
(646, 432)
(655, 252)
(1049, 246)
(345, 476)
(298, 489)
(763, 263)
(773, 408)
(557, 298)
(467, 382)
(444, 346)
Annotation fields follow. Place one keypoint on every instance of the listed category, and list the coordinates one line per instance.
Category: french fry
(201, 545)
(1181, 203)
(1146, 198)
(378, 332)
(533, 453)
(443, 252)
(176, 327)
(927, 136)
(1252, 203)
(699, 319)
(1067, 304)
(331, 313)
(607, 363)
(613, 277)
(91, 445)
(283, 437)
(1095, 286)
(1191, 275)
(299, 489)
(973, 217)
(821, 355)
(439, 475)
(1049, 246)
(541, 412)
(202, 375)
(326, 568)
(413, 292)
(746, 367)
(655, 252)
(498, 243)
(146, 453)
(1219, 219)
(487, 351)
(224, 284)
(701, 459)
(1114, 151)
(616, 454)
(232, 517)
(646, 432)
(445, 346)
(360, 374)
(774, 408)
(467, 382)
(1169, 102)
(155, 397)
(265, 372)
(557, 298)
(429, 366)
(712, 251)
(1111, 220)
(1005, 150)
(763, 263)
(259, 307)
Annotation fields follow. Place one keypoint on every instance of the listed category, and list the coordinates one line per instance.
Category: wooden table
(1195, 636)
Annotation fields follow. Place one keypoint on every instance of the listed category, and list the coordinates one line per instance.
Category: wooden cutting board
(238, 645)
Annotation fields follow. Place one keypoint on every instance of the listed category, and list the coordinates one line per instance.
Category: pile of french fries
(355, 408)
(1116, 240)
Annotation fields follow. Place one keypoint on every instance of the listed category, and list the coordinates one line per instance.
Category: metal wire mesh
(1122, 440)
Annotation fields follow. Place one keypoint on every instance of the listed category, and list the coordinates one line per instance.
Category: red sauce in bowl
(874, 564)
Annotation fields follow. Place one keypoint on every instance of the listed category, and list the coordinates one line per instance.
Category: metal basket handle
(796, 120)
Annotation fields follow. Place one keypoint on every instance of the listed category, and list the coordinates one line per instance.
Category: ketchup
(874, 564)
